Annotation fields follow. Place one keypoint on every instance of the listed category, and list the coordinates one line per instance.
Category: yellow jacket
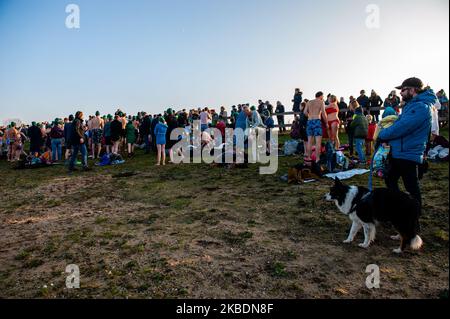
(384, 123)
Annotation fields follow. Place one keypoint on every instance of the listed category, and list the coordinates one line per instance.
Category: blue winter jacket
(408, 136)
(241, 121)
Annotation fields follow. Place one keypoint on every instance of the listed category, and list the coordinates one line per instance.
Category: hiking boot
(73, 170)
(87, 169)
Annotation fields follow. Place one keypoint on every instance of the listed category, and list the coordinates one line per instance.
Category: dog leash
(370, 186)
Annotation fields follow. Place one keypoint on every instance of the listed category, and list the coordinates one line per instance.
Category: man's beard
(407, 98)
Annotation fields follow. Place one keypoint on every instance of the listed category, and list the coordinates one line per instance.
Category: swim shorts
(314, 128)
(96, 136)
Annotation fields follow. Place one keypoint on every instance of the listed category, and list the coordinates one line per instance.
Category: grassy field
(196, 231)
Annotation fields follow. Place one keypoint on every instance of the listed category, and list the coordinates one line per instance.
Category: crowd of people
(406, 134)
(324, 118)
(121, 133)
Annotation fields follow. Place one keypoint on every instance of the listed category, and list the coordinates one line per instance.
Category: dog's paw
(397, 251)
(363, 245)
(396, 237)
(348, 241)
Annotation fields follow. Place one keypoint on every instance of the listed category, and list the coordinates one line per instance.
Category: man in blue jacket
(408, 137)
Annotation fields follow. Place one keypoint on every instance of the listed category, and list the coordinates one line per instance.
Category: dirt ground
(195, 231)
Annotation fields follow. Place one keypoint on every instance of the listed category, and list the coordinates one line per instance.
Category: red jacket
(371, 132)
(221, 127)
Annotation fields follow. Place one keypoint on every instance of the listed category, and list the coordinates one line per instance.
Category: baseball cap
(411, 82)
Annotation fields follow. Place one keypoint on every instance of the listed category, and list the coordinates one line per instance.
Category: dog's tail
(416, 243)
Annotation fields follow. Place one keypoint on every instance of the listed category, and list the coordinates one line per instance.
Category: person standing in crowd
(332, 111)
(130, 135)
(78, 141)
(205, 118)
(223, 115)
(443, 100)
(298, 99)
(349, 115)
(145, 131)
(116, 133)
(57, 135)
(342, 109)
(359, 128)
(255, 120)
(269, 107)
(241, 120)
(375, 102)
(41, 126)
(48, 140)
(182, 120)
(351, 99)
(234, 115)
(270, 125)
(370, 133)
(160, 133)
(303, 123)
(12, 134)
(260, 106)
(172, 124)
(392, 101)
(35, 135)
(265, 114)
(96, 125)
(124, 121)
(68, 137)
(435, 120)
(363, 101)
(107, 133)
(327, 100)
(315, 111)
(280, 117)
(221, 126)
(408, 137)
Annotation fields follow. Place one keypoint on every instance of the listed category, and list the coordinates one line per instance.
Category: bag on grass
(290, 147)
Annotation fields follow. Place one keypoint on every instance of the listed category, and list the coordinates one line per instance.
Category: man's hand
(81, 141)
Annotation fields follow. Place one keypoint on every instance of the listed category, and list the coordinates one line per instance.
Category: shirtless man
(96, 125)
(315, 110)
(124, 125)
(12, 134)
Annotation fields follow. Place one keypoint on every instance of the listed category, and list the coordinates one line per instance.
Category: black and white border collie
(366, 209)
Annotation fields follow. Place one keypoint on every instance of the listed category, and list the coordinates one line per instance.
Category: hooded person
(408, 137)
(388, 111)
(35, 135)
(359, 127)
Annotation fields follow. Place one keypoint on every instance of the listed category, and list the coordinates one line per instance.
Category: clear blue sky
(150, 55)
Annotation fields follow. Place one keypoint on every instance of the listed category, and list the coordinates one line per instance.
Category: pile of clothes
(34, 161)
(110, 159)
(336, 161)
(292, 147)
(438, 149)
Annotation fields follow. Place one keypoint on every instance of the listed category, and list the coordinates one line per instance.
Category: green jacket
(130, 133)
(359, 127)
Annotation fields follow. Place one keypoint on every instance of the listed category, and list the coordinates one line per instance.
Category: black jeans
(408, 171)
